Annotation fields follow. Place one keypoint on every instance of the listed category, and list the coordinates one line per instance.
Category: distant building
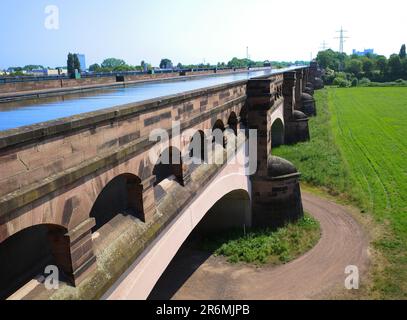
(38, 72)
(44, 72)
(363, 53)
(82, 61)
(52, 72)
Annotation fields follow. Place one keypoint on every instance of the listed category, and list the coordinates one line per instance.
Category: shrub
(355, 82)
(364, 82)
(341, 82)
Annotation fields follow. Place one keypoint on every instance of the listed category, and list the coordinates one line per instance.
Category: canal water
(28, 112)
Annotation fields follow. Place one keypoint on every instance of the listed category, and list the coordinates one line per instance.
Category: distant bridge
(83, 194)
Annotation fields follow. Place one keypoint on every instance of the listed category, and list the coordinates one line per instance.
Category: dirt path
(318, 274)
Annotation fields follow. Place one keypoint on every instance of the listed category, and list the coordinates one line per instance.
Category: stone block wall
(52, 173)
(18, 87)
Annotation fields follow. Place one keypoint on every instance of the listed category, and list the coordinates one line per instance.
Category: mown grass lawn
(359, 148)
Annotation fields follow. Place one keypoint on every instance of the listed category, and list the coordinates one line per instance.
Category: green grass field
(359, 149)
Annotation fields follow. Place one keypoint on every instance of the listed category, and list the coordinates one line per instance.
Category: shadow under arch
(218, 131)
(277, 133)
(233, 122)
(230, 212)
(27, 253)
(122, 195)
(197, 148)
(169, 164)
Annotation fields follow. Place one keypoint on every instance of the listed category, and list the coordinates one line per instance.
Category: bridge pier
(276, 196)
(296, 122)
(149, 207)
(315, 76)
(74, 252)
(304, 102)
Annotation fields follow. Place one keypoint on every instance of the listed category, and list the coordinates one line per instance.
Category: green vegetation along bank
(359, 151)
(268, 246)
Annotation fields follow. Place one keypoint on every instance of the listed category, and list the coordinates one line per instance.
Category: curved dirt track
(320, 273)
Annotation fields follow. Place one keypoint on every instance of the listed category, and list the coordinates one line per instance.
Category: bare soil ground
(319, 274)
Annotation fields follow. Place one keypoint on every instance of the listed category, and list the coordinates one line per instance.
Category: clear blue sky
(190, 31)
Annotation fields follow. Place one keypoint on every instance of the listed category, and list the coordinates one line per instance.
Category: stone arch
(231, 211)
(160, 255)
(122, 195)
(169, 164)
(277, 133)
(27, 253)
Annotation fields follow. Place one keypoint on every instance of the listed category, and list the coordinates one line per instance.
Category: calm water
(22, 113)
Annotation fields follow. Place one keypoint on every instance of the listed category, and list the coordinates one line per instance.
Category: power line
(342, 38)
(324, 46)
(342, 41)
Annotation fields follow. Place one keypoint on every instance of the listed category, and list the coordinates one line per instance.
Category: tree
(354, 66)
(73, 64)
(404, 69)
(166, 64)
(31, 67)
(112, 63)
(328, 59)
(403, 53)
(394, 67)
(95, 68)
(76, 63)
(381, 63)
(70, 64)
(368, 66)
(179, 65)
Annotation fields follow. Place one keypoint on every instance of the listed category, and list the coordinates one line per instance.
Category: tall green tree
(70, 64)
(368, 66)
(381, 63)
(403, 53)
(76, 63)
(394, 67)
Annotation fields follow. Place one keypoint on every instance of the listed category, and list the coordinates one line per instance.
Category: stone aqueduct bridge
(81, 193)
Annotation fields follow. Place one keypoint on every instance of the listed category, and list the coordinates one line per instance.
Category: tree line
(119, 65)
(350, 70)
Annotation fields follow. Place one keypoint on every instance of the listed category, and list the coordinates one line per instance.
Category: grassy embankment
(358, 153)
(261, 247)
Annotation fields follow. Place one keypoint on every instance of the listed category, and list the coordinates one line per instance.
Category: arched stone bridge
(82, 192)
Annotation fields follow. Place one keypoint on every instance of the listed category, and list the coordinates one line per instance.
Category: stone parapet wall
(18, 87)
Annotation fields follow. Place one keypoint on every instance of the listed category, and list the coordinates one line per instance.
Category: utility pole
(247, 53)
(342, 40)
(324, 46)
